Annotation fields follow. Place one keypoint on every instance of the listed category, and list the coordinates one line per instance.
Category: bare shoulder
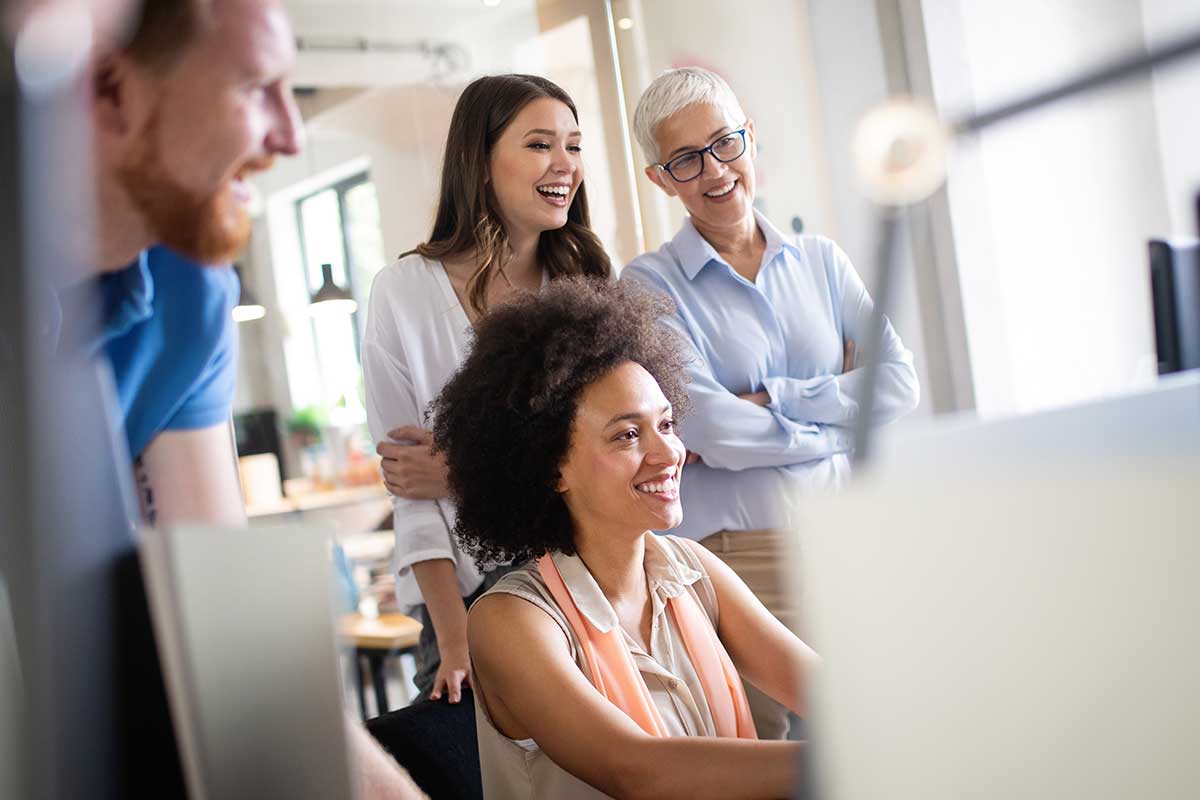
(707, 559)
(502, 625)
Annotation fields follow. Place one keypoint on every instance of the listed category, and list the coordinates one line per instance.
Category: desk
(353, 508)
(374, 641)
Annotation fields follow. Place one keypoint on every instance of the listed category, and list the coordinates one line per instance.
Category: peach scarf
(616, 676)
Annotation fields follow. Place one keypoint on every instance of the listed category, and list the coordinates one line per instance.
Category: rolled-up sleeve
(835, 399)
(422, 531)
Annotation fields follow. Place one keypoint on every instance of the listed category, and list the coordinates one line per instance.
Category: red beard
(207, 228)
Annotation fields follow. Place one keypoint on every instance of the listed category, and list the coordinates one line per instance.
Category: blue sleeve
(177, 368)
(209, 400)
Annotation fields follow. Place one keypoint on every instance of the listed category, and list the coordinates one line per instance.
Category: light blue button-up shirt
(784, 333)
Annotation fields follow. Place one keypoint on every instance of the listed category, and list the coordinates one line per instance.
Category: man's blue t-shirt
(172, 343)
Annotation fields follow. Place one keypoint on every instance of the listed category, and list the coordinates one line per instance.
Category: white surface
(1161, 422)
(1009, 610)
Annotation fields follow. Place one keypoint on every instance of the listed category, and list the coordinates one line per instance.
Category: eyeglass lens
(690, 165)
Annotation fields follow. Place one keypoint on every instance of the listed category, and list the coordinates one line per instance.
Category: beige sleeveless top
(518, 769)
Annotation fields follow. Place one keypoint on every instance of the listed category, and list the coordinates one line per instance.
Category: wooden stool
(374, 641)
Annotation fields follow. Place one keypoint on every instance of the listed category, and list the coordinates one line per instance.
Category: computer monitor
(1008, 608)
(244, 624)
(1175, 285)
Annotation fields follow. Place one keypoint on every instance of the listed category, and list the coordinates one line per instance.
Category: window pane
(321, 223)
(333, 335)
(365, 237)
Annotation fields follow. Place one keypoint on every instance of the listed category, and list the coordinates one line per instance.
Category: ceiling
(378, 42)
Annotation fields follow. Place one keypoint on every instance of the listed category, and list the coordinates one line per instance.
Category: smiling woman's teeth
(554, 191)
(721, 190)
(657, 488)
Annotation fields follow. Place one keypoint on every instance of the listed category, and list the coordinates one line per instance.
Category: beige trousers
(759, 558)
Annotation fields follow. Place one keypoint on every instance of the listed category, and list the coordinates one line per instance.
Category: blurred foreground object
(65, 565)
(1009, 609)
(244, 623)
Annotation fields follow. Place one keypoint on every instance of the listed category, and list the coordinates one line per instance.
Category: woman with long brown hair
(512, 214)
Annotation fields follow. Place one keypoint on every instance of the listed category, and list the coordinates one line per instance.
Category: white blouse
(416, 336)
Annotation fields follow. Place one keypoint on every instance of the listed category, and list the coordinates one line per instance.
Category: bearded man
(191, 103)
(196, 101)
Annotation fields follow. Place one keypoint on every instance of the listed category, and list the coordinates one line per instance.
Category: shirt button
(672, 684)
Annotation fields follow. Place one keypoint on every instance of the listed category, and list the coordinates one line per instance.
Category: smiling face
(622, 469)
(723, 195)
(222, 111)
(536, 167)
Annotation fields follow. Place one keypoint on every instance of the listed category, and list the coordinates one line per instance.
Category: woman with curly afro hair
(601, 666)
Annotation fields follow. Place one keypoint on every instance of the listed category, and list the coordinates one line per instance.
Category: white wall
(1051, 211)
(1177, 104)
(565, 54)
(766, 58)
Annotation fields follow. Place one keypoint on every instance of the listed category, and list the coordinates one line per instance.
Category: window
(339, 226)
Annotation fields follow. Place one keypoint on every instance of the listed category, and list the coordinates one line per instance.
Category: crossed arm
(735, 432)
(834, 399)
(794, 420)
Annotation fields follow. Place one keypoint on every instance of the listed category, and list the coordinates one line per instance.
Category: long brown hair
(467, 217)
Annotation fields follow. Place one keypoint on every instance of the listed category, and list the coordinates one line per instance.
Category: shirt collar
(665, 573)
(666, 578)
(693, 250)
(128, 297)
(695, 253)
(92, 313)
(776, 241)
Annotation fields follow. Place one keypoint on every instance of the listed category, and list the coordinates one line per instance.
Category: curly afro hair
(504, 420)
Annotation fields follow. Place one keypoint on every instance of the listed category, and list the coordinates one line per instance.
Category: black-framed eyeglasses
(688, 166)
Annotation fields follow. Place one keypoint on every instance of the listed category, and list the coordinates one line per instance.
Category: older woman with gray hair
(773, 321)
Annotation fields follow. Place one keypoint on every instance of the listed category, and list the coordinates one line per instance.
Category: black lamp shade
(330, 296)
(248, 308)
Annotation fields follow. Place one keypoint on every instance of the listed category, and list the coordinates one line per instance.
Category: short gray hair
(673, 91)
